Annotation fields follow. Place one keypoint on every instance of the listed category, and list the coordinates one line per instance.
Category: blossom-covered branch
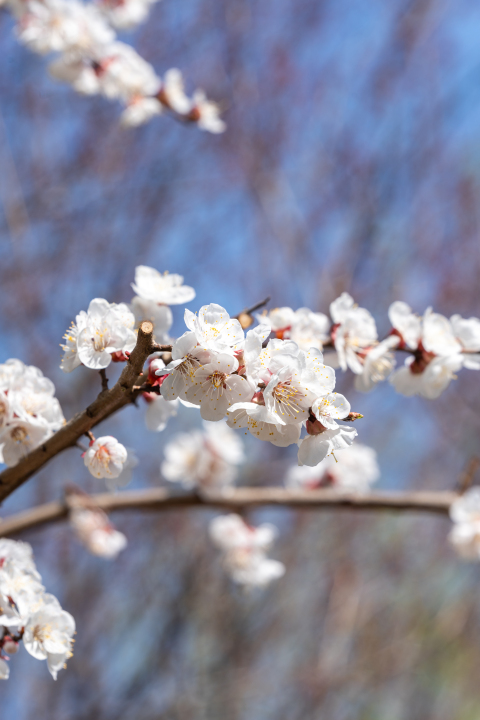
(91, 59)
(107, 403)
(160, 499)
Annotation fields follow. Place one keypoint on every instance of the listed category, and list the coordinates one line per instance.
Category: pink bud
(10, 646)
(258, 398)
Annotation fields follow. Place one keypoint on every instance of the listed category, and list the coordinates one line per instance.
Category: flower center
(218, 379)
(18, 434)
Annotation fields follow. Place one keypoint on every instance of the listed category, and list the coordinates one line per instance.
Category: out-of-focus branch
(158, 499)
(107, 403)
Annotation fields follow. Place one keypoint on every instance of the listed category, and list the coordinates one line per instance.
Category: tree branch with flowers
(271, 375)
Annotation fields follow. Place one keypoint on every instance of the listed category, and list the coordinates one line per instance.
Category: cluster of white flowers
(353, 470)
(93, 527)
(465, 515)
(244, 550)
(28, 613)
(29, 412)
(93, 61)
(270, 391)
(437, 347)
(204, 460)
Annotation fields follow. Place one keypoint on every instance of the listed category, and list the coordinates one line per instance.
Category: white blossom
(126, 14)
(467, 333)
(62, 25)
(465, 515)
(20, 437)
(429, 382)
(104, 329)
(352, 469)
(315, 448)
(172, 92)
(377, 364)
(203, 459)
(96, 532)
(160, 315)
(187, 357)
(48, 636)
(166, 288)
(213, 328)
(48, 630)
(106, 457)
(244, 550)
(330, 407)
(139, 111)
(215, 387)
(406, 323)
(207, 113)
(354, 333)
(262, 424)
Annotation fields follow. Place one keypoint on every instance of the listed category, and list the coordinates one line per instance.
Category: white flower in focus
(105, 457)
(330, 407)
(315, 448)
(167, 289)
(206, 113)
(215, 387)
(172, 92)
(97, 533)
(48, 636)
(214, 329)
(160, 315)
(107, 328)
(139, 111)
(187, 358)
(465, 534)
(244, 550)
(352, 469)
(262, 424)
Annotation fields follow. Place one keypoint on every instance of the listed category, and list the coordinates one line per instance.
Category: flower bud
(10, 646)
(258, 398)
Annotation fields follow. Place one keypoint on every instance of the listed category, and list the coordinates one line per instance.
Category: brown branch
(158, 499)
(103, 376)
(107, 403)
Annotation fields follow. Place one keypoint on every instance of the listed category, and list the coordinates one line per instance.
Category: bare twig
(107, 403)
(158, 499)
(250, 310)
(103, 375)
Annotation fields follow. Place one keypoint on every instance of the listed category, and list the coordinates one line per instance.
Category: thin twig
(103, 375)
(250, 310)
(159, 499)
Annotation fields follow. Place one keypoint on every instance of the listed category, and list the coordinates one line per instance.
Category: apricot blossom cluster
(91, 59)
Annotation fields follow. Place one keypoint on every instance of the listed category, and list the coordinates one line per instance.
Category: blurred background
(351, 162)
